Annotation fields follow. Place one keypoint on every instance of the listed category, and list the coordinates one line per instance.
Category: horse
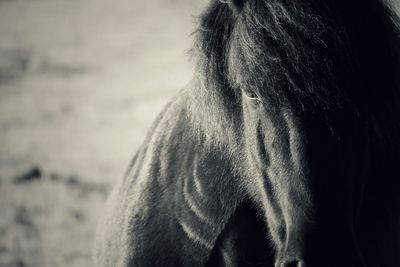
(282, 150)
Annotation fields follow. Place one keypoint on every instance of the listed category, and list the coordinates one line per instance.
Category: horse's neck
(215, 118)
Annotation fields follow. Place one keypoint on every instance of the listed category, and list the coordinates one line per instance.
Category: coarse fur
(282, 151)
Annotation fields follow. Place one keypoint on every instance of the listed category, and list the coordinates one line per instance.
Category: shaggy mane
(308, 55)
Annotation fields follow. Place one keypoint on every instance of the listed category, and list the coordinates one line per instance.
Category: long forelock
(289, 53)
(294, 53)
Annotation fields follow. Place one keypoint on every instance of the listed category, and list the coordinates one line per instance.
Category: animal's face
(301, 167)
(299, 74)
(302, 176)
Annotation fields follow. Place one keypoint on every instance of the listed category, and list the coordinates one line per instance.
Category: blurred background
(80, 84)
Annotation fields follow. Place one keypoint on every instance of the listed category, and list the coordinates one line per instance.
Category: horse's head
(297, 160)
(279, 82)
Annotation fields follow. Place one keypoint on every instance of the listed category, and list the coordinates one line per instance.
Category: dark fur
(327, 58)
(303, 170)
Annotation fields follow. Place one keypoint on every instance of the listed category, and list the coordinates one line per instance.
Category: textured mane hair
(317, 56)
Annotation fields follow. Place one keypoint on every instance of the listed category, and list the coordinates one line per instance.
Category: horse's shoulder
(170, 189)
(139, 201)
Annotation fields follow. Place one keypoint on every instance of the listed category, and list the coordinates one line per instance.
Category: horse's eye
(251, 95)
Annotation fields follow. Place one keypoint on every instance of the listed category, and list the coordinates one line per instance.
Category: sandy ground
(80, 83)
